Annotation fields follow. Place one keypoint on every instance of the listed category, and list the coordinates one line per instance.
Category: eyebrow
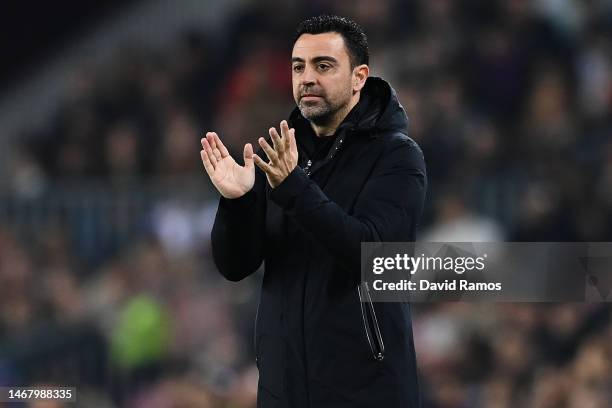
(316, 59)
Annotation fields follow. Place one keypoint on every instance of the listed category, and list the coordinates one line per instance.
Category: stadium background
(106, 278)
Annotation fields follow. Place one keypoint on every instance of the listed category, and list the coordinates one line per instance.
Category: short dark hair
(355, 40)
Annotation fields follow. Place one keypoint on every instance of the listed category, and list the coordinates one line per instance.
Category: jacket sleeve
(387, 208)
(237, 235)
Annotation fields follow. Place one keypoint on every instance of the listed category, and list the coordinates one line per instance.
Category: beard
(322, 110)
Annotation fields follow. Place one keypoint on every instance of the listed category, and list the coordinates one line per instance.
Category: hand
(283, 157)
(231, 179)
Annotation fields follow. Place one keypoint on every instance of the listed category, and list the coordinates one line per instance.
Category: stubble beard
(319, 113)
(322, 111)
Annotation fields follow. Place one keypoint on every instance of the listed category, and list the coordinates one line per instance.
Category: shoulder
(397, 145)
(393, 139)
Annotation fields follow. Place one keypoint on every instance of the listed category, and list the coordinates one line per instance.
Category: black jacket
(313, 346)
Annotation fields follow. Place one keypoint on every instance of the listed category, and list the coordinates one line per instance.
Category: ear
(360, 74)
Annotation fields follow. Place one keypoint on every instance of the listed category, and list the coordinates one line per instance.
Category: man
(342, 171)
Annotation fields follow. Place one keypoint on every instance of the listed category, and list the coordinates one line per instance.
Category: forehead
(315, 45)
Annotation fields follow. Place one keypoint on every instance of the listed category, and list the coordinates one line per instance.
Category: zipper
(307, 167)
(255, 336)
(368, 314)
(332, 152)
(377, 346)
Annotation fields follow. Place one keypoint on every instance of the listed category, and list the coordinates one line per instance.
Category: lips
(310, 96)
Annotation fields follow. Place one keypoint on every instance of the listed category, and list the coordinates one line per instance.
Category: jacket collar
(378, 110)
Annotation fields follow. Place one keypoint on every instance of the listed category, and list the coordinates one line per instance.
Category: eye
(324, 67)
(298, 68)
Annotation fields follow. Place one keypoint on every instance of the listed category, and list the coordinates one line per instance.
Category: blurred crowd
(511, 102)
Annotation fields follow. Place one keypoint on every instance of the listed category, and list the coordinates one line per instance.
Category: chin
(314, 116)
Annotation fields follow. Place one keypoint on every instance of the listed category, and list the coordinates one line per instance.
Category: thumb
(248, 155)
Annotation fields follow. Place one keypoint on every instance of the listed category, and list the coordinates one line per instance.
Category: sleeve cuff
(286, 192)
(237, 204)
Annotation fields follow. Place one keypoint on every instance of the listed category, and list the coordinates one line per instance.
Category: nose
(308, 77)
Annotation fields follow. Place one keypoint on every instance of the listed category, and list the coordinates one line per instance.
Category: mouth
(310, 96)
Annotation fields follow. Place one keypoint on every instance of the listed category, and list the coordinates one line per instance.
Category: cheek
(295, 84)
(338, 88)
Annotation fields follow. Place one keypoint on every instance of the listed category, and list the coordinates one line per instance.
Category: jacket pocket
(370, 322)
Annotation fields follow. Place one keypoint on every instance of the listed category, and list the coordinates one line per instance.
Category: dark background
(32, 31)
(106, 277)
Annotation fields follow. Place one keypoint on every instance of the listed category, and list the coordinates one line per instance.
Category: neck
(329, 128)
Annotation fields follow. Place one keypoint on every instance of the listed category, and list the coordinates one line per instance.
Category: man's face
(321, 76)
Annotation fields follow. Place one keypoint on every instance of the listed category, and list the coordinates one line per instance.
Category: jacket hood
(378, 110)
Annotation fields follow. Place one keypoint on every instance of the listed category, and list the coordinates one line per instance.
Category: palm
(229, 178)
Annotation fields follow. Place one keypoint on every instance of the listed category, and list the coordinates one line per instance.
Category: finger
(284, 127)
(213, 144)
(211, 140)
(248, 155)
(293, 144)
(269, 150)
(287, 140)
(210, 137)
(263, 165)
(217, 154)
(220, 145)
(207, 164)
(276, 140)
(210, 154)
